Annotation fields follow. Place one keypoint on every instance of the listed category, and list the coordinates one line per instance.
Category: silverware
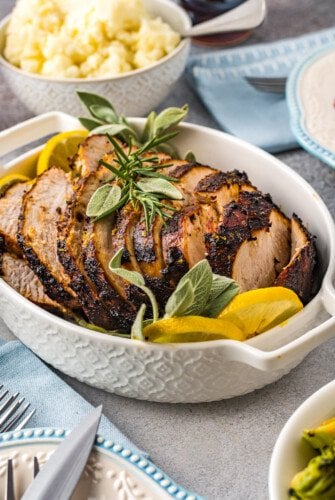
(12, 409)
(268, 84)
(9, 494)
(246, 16)
(60, 475)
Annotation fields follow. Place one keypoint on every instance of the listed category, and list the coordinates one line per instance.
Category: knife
(60, 475)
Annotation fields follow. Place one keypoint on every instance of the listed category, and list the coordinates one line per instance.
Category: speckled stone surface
(221, 450)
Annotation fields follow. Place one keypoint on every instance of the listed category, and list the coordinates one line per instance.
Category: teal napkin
(57, 405)
(258, 117)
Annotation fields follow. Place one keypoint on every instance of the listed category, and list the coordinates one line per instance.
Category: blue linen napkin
(258, 117)
(57, 405)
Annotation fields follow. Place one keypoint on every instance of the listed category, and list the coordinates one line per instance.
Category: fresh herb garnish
(137, 181)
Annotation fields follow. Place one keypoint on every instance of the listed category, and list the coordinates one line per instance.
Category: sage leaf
(113, 129)
(190, 157)
(200, 278)
(180, 300)
(89, 123)
(89, 99)
(168, 149)
(148, 131)
(134, 278)
(103, 200)
(222, 292)
(136, 332)
(104, 113)
(168, 118)
(160, 186)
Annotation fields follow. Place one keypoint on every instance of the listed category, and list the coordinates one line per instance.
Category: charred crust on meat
(238, 221)
(181, 170)
(215, 181)
(143, 243)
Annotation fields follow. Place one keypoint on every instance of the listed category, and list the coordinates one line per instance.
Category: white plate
(190, 372)
(310, 96)
(291, 454)
(112, 471)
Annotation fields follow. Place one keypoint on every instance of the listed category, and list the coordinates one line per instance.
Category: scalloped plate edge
(297, 112)
(107, 447)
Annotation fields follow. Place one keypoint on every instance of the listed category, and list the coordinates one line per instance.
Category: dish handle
(295, 350)
(35, 129)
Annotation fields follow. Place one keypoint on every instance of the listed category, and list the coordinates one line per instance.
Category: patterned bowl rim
(183, 44)
(296, 108)
(107, 447)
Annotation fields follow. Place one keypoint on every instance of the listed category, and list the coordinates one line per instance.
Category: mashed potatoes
(90, 38)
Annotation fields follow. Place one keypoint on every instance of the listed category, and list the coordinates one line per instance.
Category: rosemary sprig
(136, 181)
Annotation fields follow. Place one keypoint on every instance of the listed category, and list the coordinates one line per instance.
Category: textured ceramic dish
(134, 93)
(311, 100)
(112, 471)
(191, 372)
(291, 454)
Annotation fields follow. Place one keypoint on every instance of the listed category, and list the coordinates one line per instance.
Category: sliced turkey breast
(298, 274)
(10, 208)
(252, 241)
(42, 208)
(18, 275)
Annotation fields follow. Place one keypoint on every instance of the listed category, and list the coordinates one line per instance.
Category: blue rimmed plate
(310, 96)
(112, 471)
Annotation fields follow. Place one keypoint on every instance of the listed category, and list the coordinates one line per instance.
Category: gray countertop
(221, 450)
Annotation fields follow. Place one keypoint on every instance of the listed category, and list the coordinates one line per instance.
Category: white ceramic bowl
(291, 454)
(192, 372)
(134, 93)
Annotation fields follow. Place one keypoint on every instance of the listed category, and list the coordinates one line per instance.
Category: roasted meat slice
(183, 241)
(93, 149)
(251, 243)
(41, 210)
(10, 208)
(188, 175)
(222, 188)
(298, 274)
(72, 240)
(18, 275)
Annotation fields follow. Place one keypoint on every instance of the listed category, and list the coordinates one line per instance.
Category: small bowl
(134, 93)
(291, 454)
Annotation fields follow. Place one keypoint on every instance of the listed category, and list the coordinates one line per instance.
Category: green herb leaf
(89, 99)
(190, 157)
(168, 118)
(113, 129)
(148, 131)
(104, 113)
(180, 301)
(135, 278)
(161, 186)
(90, 123)
(137, 327)
(222, 292)
(103, 200)
(200, 278)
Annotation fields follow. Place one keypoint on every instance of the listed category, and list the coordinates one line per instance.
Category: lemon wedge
(59, 149)
(191, 329)
(259, 310)
(9, 180)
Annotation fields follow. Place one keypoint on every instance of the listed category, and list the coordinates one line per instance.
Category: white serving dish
(134, 93)
(193, 372)
(291, 454)
(112, 471)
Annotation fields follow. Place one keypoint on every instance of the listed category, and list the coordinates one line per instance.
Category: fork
(12, 409)
(268, 84)
(9, 495)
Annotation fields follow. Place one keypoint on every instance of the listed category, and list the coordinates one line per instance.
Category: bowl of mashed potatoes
(128, 50)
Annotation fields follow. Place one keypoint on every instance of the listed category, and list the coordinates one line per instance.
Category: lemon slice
(59, 149)
(9, 180)
(259, 310)
(191, 329)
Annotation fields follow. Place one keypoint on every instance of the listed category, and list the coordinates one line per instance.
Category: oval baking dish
(192, 372)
